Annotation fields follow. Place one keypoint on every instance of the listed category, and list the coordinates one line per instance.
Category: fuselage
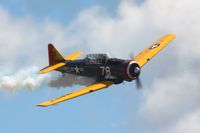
(102, 67)
(112, 69)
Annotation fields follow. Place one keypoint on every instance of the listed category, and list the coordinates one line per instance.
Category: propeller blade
(138, 83)
(131, 55)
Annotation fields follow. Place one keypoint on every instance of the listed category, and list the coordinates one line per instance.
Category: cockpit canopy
(97, 58)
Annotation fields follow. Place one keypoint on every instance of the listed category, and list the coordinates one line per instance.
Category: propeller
(138, 83)
(138, 80)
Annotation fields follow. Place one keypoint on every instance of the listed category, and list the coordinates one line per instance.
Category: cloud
(170, 98)
(103, 33)
(133, 26)
(187, 124)
(24, 40)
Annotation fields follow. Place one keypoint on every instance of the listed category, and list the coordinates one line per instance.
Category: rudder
(54, 56)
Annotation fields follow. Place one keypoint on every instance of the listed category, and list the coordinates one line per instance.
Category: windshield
(97, 58)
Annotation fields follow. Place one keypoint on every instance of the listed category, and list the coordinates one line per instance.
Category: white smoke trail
(26, 78)
(29, 79)
(68, 80)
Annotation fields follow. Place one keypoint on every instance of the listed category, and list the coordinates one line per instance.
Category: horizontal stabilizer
(73, 56)
(51, 68)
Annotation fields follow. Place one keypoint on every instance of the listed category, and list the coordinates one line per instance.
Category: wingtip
(45, 104)
(173, 34)
(41, 105)
(40, 72)
(80, 53)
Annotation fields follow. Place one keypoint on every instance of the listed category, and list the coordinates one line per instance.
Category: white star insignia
(77, 69)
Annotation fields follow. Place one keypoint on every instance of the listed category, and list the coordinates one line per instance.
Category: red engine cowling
(133, 70)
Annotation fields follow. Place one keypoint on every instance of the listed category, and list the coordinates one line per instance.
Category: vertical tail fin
(56, 60)
(54, 56)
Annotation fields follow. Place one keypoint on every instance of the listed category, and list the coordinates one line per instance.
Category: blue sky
(169, 102)
(61, 11)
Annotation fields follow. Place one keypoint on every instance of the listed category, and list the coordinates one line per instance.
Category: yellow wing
(73, 56)
(143, 57)
(83, 91)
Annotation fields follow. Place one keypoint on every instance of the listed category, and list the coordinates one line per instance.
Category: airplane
(102, 67)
